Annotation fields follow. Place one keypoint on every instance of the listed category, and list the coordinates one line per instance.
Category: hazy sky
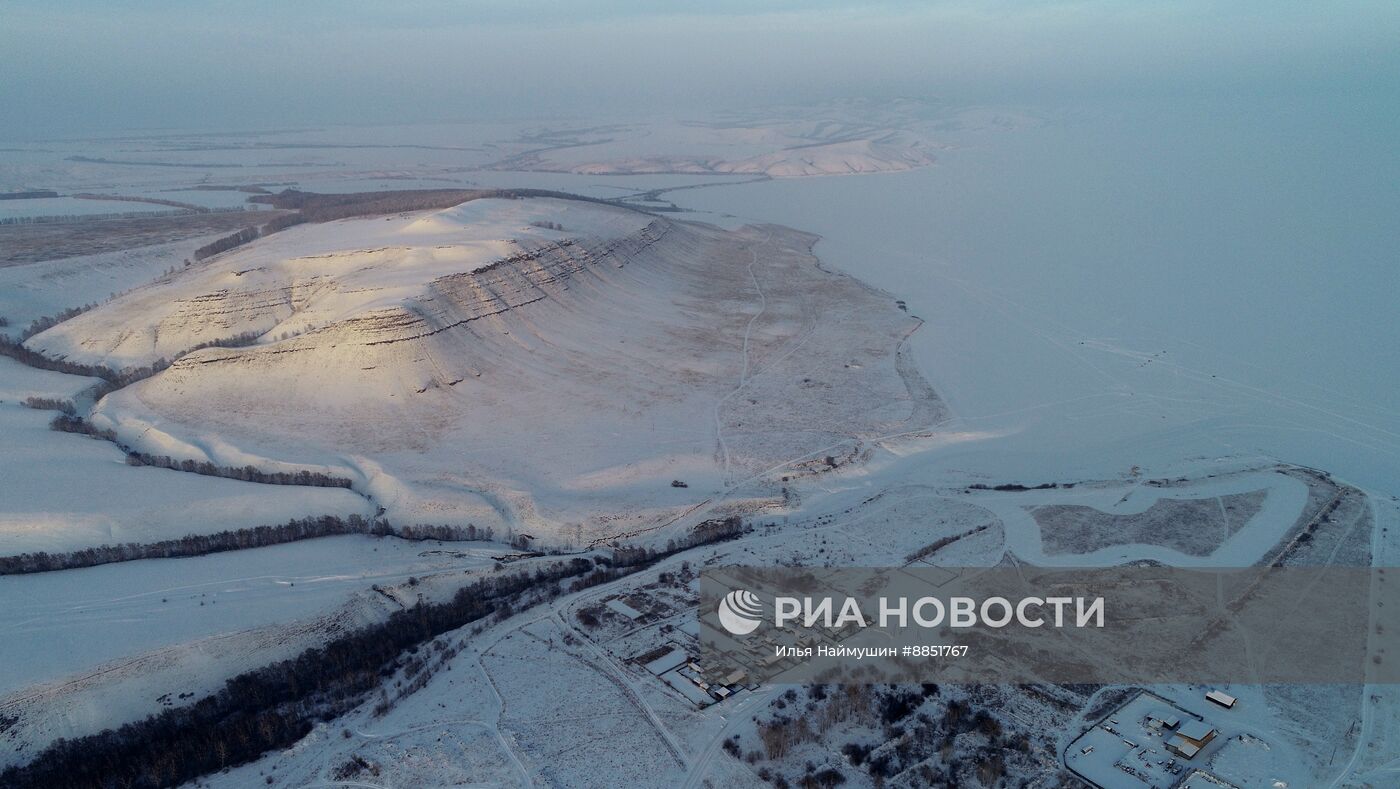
(78, 66)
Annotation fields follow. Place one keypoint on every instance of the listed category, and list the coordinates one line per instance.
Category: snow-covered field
(833, 139)
(779, 150)
(62, 491)
(37, 290)
(102, 645)
(72, 206)
(129, 608)
(482, 365)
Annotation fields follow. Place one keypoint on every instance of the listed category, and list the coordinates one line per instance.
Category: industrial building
(1191, 738)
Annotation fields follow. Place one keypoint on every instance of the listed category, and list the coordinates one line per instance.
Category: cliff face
(472, 367)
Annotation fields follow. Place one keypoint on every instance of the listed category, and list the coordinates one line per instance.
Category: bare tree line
(303, 477)
(49, 321)
(15, 350)
(69, 422)
(50, 404)
(189, 545)
(198, 209)
(29, 195)
(192, 544)
(226, 243)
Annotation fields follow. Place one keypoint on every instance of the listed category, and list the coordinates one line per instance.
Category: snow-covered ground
(64, 491)
(316, 275)
(502, 705)
(65, 627)
(834, 138)
(37, 290)
(779, 150)
(460, 365)
(102, 645)
(1084, 323)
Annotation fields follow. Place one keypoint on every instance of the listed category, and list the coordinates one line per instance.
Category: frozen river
(1110, 290)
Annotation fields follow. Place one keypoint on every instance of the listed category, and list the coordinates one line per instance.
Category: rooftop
(1196, 730)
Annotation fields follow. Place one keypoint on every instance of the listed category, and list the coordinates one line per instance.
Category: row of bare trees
(236, 540)
(49, 321)
(193, 544)
(303, 477)
(226, 243)
(50, 404)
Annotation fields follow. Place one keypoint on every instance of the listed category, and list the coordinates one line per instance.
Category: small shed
(1223, 699)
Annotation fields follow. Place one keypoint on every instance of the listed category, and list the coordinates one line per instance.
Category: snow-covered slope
(65, 492)
(480, 366)
(317, 275)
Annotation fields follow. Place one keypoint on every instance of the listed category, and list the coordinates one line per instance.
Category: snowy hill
(460, 365)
